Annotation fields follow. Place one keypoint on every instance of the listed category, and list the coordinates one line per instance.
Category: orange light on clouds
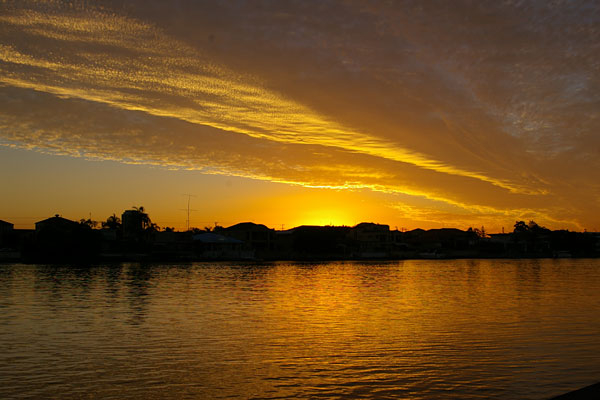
(462, 124)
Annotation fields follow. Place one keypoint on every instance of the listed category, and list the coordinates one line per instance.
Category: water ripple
(415, 329)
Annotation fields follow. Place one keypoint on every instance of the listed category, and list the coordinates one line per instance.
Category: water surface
(469, 329)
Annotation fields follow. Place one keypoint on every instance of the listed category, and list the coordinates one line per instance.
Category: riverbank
(15, 257)
(591, 392)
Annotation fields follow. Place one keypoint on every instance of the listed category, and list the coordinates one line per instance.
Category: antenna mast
(187, 221)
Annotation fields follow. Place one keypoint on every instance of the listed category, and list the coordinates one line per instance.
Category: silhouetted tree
(479, 233)
(537, 229)
(521, 226)
(112, 222)
(214, 229)
(88, 222)
(532, 238)
(218, 228)
(145, 218)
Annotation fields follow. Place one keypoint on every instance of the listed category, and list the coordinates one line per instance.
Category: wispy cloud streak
(159, 75)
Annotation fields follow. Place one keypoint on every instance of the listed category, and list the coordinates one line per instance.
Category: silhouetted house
(173, 238)
(564, 243)
(422, 244)
(133, 224)
(56, 223)
(255, 236)
(400, 248)
(444, 242)
(212, 246)
(58, 238)
(411, 238)
(7, 241)
(448, 238)
(283, 243)
(532, 242)
(6, 227)
(172, 245)
(313, 242)
(6, 232)
(372, 240)
(502, 239)
(19, 239)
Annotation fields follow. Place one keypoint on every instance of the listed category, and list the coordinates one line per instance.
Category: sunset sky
(411, 113)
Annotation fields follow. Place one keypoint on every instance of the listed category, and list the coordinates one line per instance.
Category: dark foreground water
(468, 329)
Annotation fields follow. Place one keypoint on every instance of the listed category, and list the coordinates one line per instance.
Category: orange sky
(302, 113)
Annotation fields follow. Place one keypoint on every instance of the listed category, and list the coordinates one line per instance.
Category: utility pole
(187, 221)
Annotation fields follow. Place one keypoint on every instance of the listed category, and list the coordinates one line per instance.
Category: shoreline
(586, 393)
(144, 258)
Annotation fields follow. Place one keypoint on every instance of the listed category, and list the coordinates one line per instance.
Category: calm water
(469, 329)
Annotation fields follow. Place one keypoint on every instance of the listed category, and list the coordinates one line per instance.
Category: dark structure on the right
(376, 241)
(533, 240)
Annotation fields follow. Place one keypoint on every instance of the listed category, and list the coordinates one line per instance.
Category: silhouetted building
(6, 234)
(212, 246)
(12, 241)
(255, 236)
(444, 242)
(284, 243)
(502, 239)
(133, 224)
(313, 242)
(60, 239)
(372, 240)
(172, 245)
(448, 238)
(56, 223)
(6, 227)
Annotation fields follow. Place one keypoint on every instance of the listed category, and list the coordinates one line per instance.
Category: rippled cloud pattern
(488, 108)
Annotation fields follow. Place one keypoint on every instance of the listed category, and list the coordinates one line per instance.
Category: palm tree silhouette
(112, 222)
(146, 222)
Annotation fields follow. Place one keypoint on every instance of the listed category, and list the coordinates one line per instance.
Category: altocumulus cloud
(490, 108)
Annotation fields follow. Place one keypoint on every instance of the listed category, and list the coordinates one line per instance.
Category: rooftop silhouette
(134, 236)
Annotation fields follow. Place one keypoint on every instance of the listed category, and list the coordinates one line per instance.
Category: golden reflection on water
(414, 329)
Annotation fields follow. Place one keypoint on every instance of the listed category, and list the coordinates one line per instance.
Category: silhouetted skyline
(134, 236)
